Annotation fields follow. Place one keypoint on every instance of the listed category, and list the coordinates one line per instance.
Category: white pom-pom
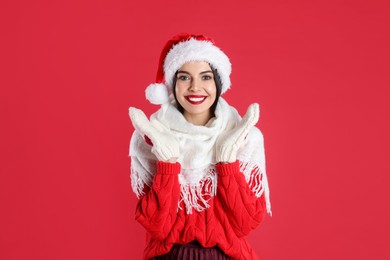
(157, 94)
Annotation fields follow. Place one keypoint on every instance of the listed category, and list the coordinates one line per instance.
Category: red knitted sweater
(232, 214)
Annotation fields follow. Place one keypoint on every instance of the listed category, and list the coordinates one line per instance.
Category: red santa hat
(179, 50)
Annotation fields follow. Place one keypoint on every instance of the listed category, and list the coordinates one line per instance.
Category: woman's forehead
(195, 66)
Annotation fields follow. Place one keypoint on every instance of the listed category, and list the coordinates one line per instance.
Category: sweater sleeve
(157, 209)
(244, 210)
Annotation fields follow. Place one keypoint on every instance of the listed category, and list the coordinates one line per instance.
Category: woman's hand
(165, 146)
(229, 143)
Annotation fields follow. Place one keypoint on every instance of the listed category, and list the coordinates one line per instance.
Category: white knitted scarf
(198, 176)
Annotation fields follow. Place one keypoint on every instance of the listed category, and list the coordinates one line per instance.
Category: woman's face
(196, 91)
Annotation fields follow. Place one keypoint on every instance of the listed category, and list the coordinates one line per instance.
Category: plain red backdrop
(70, 70)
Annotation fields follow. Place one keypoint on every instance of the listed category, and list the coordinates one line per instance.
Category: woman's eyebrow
(183, 71)
(186, 72)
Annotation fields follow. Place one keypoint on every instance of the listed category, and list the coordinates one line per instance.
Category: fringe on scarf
(198, 196)
(139, 174)
(137, 184)
(257, 181)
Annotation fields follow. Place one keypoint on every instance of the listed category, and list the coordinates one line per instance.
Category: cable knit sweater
(198, 198)
(233, 213)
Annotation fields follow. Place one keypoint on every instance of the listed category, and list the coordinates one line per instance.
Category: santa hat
(179, 50)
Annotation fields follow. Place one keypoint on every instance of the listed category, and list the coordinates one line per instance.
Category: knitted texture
(232, 214)
(165, 146)
(198, 152)
(229, 142)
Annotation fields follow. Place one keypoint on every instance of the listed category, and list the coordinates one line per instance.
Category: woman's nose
(195, 85)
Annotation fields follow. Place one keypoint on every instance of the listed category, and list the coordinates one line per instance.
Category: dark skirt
(193, 251)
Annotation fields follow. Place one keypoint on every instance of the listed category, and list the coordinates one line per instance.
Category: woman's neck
(198, 119)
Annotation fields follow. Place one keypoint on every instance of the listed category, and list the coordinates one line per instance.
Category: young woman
(197, 167)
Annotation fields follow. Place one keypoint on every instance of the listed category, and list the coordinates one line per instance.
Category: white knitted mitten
(228, 143)
(165, 146)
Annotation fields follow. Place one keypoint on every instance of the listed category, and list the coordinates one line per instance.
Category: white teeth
(196, 99)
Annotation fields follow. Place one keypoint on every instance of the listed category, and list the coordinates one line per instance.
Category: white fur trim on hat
(157, 93)
(197, 50)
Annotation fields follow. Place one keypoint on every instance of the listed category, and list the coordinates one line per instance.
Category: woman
(197, 168)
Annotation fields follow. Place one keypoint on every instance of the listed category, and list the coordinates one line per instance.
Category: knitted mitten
(165, 146)
(228, 143)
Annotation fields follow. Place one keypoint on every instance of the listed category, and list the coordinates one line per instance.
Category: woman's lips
(195, 99)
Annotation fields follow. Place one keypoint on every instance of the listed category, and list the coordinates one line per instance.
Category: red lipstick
(195, 99)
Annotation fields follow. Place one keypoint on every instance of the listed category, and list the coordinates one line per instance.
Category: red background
(70, 70)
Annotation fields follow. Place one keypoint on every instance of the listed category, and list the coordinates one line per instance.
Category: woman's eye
(207, 77)
(183, 77)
